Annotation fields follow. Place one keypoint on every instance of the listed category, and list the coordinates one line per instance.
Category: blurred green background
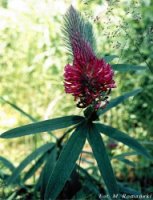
(33, 57)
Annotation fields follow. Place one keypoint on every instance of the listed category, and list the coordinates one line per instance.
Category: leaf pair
(73, 148)
(69, 156)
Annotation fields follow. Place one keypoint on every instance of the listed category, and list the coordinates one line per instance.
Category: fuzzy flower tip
(88, 80)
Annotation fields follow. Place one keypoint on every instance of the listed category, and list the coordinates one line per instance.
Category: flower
(89, 79)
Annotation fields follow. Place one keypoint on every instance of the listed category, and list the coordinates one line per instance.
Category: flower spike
(78, 33)
(89, 79)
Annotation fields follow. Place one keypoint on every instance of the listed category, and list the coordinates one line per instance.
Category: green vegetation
(32, 61)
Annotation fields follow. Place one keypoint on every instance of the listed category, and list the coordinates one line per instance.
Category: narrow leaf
(22, 112)
(19, 109)
(127, 190)
(91, 188)
(47, 170)
(12, 196)
(127, 67)
(122, 137)
(123, 155)
(38, 184)
(3, 176)
(43, 126)
(7, 163)
(126, 161)
(115, 102)
(35, 167)
(86, 174)
(66, 163)
(28, 160)
(99, 151)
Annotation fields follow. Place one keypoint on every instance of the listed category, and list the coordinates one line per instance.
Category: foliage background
(32, 59)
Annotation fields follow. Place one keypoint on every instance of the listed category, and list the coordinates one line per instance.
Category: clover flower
(89, 79)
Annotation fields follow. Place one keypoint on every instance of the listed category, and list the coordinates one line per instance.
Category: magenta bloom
(88, 78)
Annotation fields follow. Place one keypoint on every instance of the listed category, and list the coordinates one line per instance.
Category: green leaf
(108, 59)
(81, 194)
(38, 184)
(43, 126)
(127, 190)
(13, 196)
(19, 109)
(22, 112)
(126, 161)
(100, 154)
(122, 157)
(115, 102)
(35, 167)
(127, 67)
(7, 163)
(3, 175)
(122, 137)
(47, 170)
(85, 174)
(66, 162)
(41, 150)
(91, 188)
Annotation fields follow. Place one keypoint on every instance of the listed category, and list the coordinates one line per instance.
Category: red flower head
(88, 79)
